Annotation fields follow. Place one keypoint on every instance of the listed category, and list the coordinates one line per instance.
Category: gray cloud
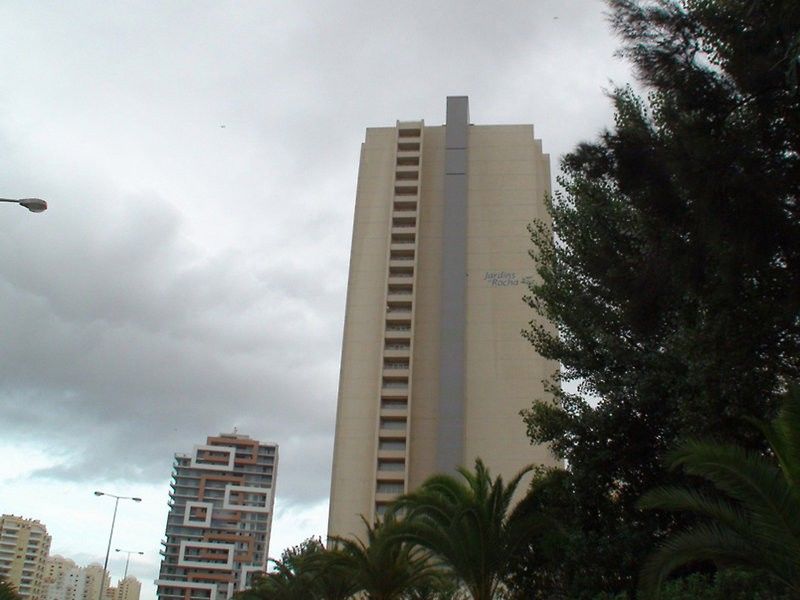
(122, 345)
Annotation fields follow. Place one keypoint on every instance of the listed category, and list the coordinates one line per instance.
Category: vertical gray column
(450, 449)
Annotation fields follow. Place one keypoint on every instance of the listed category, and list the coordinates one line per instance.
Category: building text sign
(506, 278)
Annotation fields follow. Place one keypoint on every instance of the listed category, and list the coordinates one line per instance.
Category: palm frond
(705, 542)
(752, 517)
(466, 523)
(750, 479)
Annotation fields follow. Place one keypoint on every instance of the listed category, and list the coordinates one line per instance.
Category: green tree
(671, 268)
(384, 567)
(8, 591)
(302, 573)
(729, 584)
(550, 496)
(470, 525)
(750, 513)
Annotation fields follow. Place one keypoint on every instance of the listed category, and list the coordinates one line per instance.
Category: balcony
(404, 207)
(405, 189)
(394, 407)
(391, 454)
(392, 427)
(395, 368)
(401, 268)
(406, 174)
(404, 148)
(386, 497)
(394, 393)
(392, 476)
(403, 221)
(396, 307)
(402, 254)
(407, 159)
(409, 129)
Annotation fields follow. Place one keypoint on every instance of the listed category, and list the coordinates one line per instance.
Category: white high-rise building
(220, 519)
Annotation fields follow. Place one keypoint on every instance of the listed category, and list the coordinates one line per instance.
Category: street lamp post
(111, 533)
(35, 205)
(128, 559)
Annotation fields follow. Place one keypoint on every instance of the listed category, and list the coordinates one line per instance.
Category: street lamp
(128, 560)
(111, 533)
(35, 205)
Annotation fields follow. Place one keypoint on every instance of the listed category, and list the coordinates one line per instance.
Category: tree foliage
(8, 591)
(727, 584)
(470, 525)
(671, 267)
(302, 573)
(750, 516)
(384, 566)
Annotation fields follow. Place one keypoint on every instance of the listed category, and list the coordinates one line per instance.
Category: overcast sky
(200, 161)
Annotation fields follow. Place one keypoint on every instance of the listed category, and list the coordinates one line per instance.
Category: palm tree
(469, 525)
(385, 567)
(750, 514)
(301, 574)
(284, 583)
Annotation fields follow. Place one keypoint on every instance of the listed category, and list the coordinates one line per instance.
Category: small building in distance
(128, 588)
(220, 518)
(65, 580)
(24, 547)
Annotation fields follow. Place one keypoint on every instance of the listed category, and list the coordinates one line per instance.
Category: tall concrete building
(24, 547)
(434, 370)
(220, 518)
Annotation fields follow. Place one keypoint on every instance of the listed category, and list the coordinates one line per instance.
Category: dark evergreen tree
(8, 591)
(674, 279)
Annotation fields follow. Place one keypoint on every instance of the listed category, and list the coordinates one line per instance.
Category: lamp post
(111, 533)
(35, 205)
(128, 559)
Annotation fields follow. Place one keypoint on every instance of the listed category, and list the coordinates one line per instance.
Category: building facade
(61, 578)
(128, 588)
(220, 517)
(24, 547)
(65, 580)
(434, 370)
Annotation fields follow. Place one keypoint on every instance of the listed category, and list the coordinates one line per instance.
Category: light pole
(35, 205)
(111, 533)
(128, 559)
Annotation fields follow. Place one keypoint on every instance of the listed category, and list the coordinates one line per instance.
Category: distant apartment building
(220, 517)
(61, 578)
(24, 546)
(127, 589)
(65, 580)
